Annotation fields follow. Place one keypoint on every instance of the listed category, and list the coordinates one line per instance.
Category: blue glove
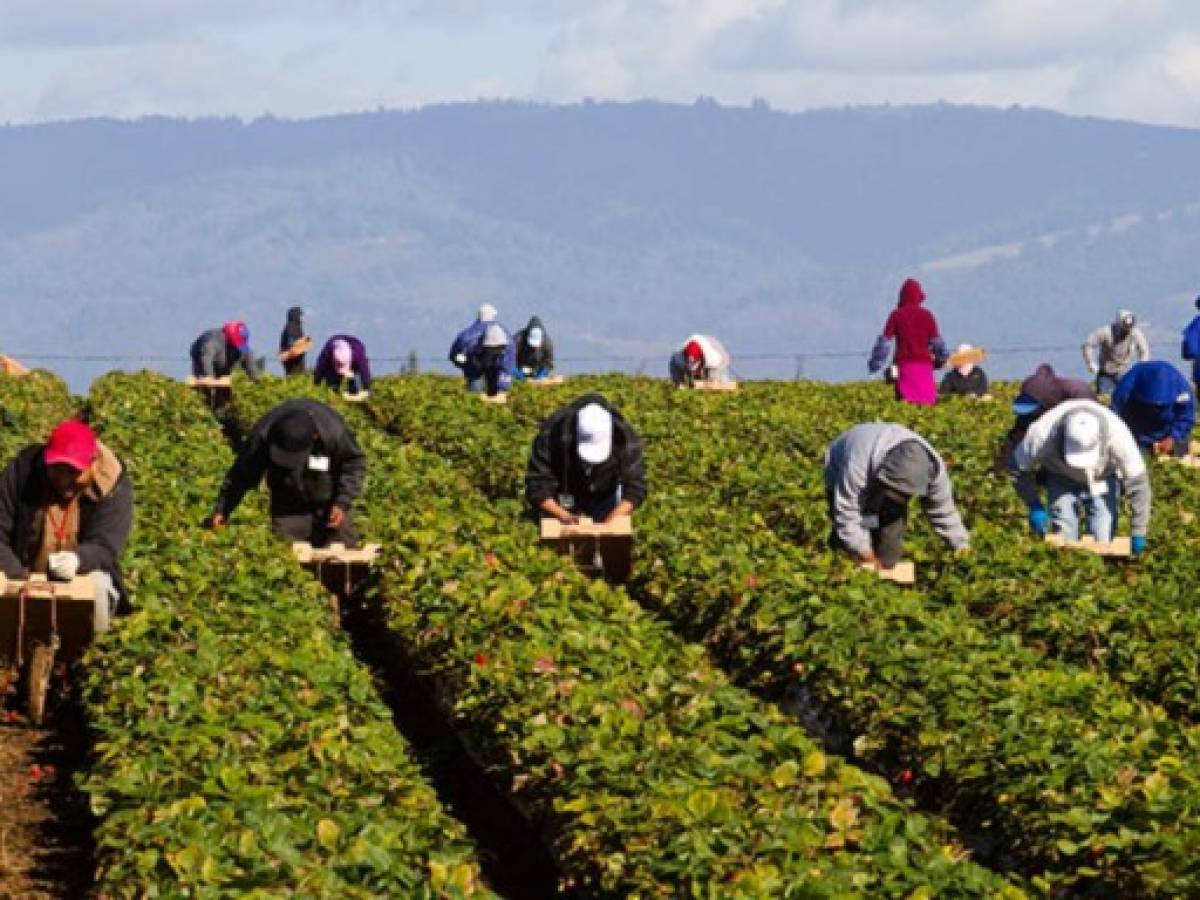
(1138, 544)
(1039, 521)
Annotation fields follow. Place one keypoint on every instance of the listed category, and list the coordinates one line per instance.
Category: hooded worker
(66, 508)
(872, 471)
(534, 351)
(293, 343)
(966, 379)
(700, 358)
(314, 470)
(1111, 350)
(343, 365)
(586, 461)
(1089, 457)
(216, 352)
(1157, 404)
(1190, 349)
(469, 354)
(1040, 392)
(919, 346)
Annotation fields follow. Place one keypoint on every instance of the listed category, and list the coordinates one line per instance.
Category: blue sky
(72, 58)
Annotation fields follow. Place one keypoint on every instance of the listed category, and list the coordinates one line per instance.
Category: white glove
(460, 358)
(63, 565)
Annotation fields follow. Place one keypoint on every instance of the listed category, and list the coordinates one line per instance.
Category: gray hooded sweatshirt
(854, 463)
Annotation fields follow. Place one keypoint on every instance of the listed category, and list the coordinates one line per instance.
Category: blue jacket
(1191, 346)
(470, 344)
(1155, 401)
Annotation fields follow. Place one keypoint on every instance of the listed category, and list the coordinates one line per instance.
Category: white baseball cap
(535, 336)
(487, 313)
(1081, 440)
(593, 433)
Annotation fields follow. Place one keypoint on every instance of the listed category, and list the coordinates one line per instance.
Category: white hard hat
(593, 433)
(1081, 440)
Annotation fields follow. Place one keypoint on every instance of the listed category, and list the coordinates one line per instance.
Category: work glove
(460, 359)
(1138, 544)
(63, 565)
(1039, 521)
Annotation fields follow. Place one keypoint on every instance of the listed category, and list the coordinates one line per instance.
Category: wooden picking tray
(74, 603)
(904, 572)
(299, 348)
(548, 381)
(193, 382)
(307, 554)
(360, 397)
(609, 542)
(500, 399)
(715, 385)
(1117, 547)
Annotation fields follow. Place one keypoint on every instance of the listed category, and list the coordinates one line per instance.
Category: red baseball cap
(71, 443)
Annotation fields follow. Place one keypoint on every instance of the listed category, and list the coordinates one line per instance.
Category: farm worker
(872, 471)
(1112, 349)
(496, 359)
(1089, 457)
(966, 379)
(217, 351)
(586, 461)
(534, 351)
(919, 346)
(1157, 404)
(701, 358)
(343, 365)
(1040, 392)
(314, 470)
(66, 508)
(293, 343)
(1191, 345)
(467, 353)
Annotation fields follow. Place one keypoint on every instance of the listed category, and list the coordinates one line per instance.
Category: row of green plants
(1131, 620)
(239, 747)
(30, 406)
(647, 771)
(1062, 772)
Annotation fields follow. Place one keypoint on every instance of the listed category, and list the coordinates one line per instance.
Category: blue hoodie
(1156, 402)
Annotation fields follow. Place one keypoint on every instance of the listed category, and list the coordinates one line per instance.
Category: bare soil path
(45, 828)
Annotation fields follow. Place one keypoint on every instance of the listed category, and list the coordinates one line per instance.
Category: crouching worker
(314, 470)
(871, 473)
(586, 461)
(66, 508)
(1089, 457)
(1156, 402)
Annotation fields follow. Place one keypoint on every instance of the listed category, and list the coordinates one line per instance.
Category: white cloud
(1138, 59)
(1121, 58)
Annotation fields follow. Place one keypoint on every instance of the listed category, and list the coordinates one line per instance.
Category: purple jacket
(325, 373)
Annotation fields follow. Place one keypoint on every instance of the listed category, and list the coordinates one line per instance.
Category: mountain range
(626, 226)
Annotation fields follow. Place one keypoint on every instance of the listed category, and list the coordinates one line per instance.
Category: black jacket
(555, 467)
(214, 357)
(307, 490)
(954, 383)
(105, 518)
(535, 358)
(292, 332)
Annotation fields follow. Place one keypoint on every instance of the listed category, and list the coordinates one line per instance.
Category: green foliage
(650, 771)
(1030, 744)
(239, 746)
